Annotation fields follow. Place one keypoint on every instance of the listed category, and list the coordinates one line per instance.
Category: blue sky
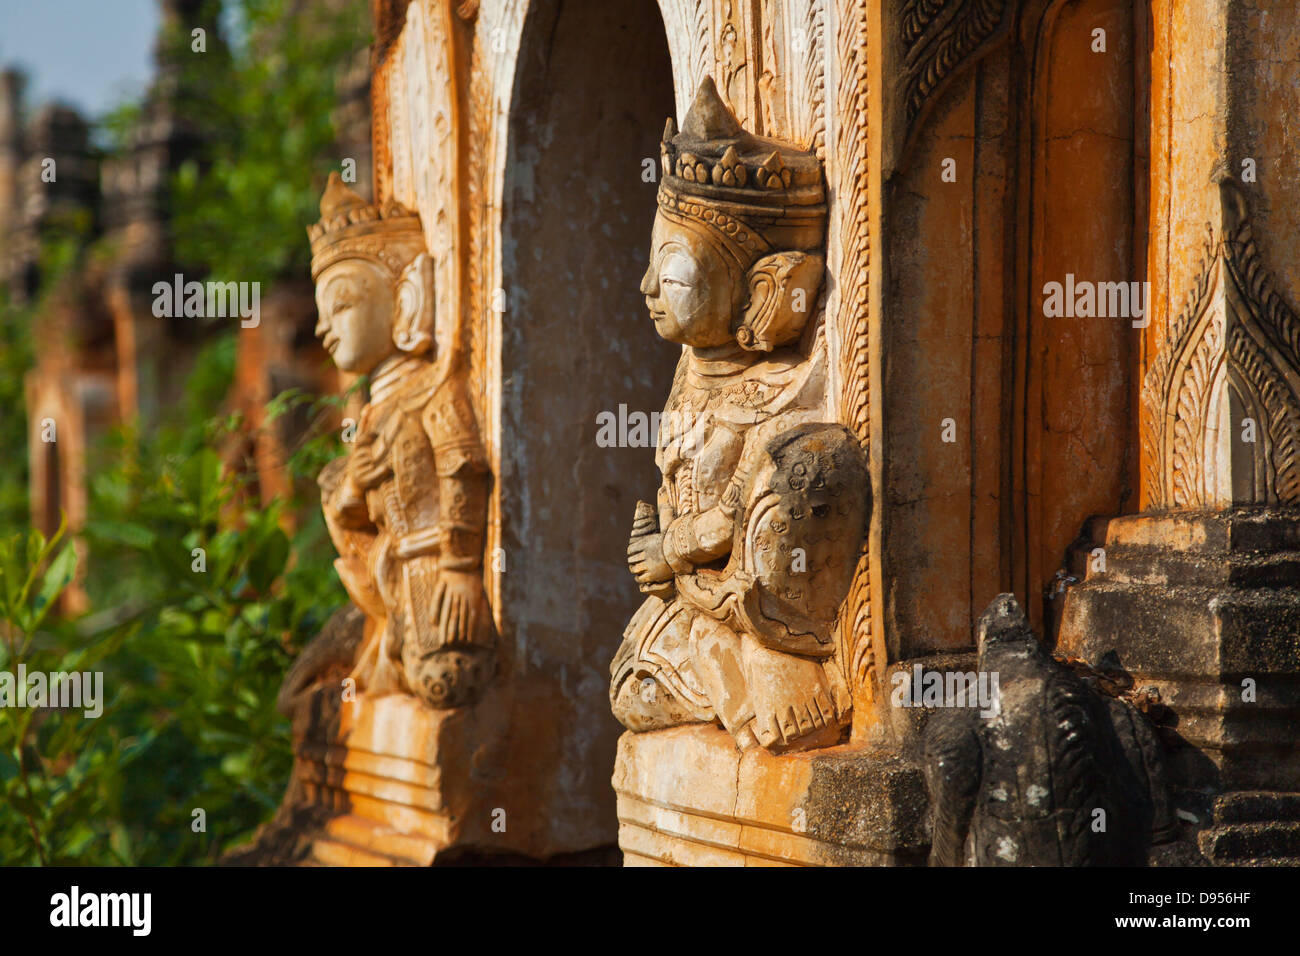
(91, 54)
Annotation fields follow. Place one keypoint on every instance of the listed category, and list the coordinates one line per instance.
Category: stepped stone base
(1193, 605)
(688, 797)
(390, 782)
(1253, 828)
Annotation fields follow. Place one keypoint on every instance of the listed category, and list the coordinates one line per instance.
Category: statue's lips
(656, 316)
(331, 345)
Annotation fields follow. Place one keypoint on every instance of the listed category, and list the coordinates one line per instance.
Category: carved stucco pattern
(1157, 381)
(497, 35)
(917, 15)
(1236, 339)
(934, 42)
(1253, 374)
(1193, 404)
(768, 67)
(498, 31)
(806, 93)
(768, 59)
(397, 145)
(740, 35)
(939, 37)
(431, 116)
(480, 143)
(388, 18)
(847, 169)
(689, 28)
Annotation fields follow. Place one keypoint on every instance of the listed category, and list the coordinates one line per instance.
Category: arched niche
(1000, 430)
(1083, 216)
(593, 86)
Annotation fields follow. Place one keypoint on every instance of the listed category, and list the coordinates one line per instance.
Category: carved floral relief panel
(1221, 399)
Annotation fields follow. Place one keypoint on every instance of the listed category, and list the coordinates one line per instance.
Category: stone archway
(593, 86)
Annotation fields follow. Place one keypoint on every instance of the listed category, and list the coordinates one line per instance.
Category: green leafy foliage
(219, 611)
(242, 206)
(15, 360)
(206, 598)
(56, 775)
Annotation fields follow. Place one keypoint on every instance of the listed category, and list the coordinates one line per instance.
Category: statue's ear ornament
(413, 322)
(783, 290)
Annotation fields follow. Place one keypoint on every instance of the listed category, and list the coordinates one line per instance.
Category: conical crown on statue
(351, 228)
(759, 195)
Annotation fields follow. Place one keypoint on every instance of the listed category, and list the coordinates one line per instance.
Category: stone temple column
(1199, 595)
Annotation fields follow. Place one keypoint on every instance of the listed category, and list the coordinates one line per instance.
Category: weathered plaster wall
(1080, 457)
(1041, 133)
(592, 91)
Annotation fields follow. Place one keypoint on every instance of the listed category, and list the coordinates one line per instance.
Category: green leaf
(122, 532)
(57, 577)
(269, 560)
(201, 480)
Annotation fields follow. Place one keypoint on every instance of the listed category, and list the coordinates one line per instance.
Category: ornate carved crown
(756, 194)
(351, 228)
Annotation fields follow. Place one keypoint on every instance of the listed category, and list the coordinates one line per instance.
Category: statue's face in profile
(354, 301)
(691, 291)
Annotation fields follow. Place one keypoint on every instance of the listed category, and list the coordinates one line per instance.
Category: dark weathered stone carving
(1058, 775)
(940, 40)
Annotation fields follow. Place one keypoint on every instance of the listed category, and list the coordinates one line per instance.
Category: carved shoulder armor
(449, 421)
(803, 500)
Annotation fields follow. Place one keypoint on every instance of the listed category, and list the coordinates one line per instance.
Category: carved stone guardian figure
(751, 548)
(406, 507)
(1057, 775)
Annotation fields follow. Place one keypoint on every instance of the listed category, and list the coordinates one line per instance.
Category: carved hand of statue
(645, 558)
(645, 550)
(645, 553)
(364, 469)
(460, 606)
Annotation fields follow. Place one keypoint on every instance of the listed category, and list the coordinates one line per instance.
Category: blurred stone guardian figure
(762, 508)
(406, 507)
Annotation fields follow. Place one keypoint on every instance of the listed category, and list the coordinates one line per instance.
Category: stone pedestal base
(1206, 609)
(688, 797)
(389, 781)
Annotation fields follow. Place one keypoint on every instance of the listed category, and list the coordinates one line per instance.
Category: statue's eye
(671, 280)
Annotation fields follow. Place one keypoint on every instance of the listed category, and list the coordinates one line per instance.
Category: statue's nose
(650, 282)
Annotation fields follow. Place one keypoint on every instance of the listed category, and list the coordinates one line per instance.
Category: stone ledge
(688, 797)
(387, 777)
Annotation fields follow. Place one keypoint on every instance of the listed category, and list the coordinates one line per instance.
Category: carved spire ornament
(936, 42)
(406, 507)
(1222, 399)
(752, 547)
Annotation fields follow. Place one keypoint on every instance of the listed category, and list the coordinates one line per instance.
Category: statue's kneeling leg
(452, 676)
(653, 683)
(644, 703)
